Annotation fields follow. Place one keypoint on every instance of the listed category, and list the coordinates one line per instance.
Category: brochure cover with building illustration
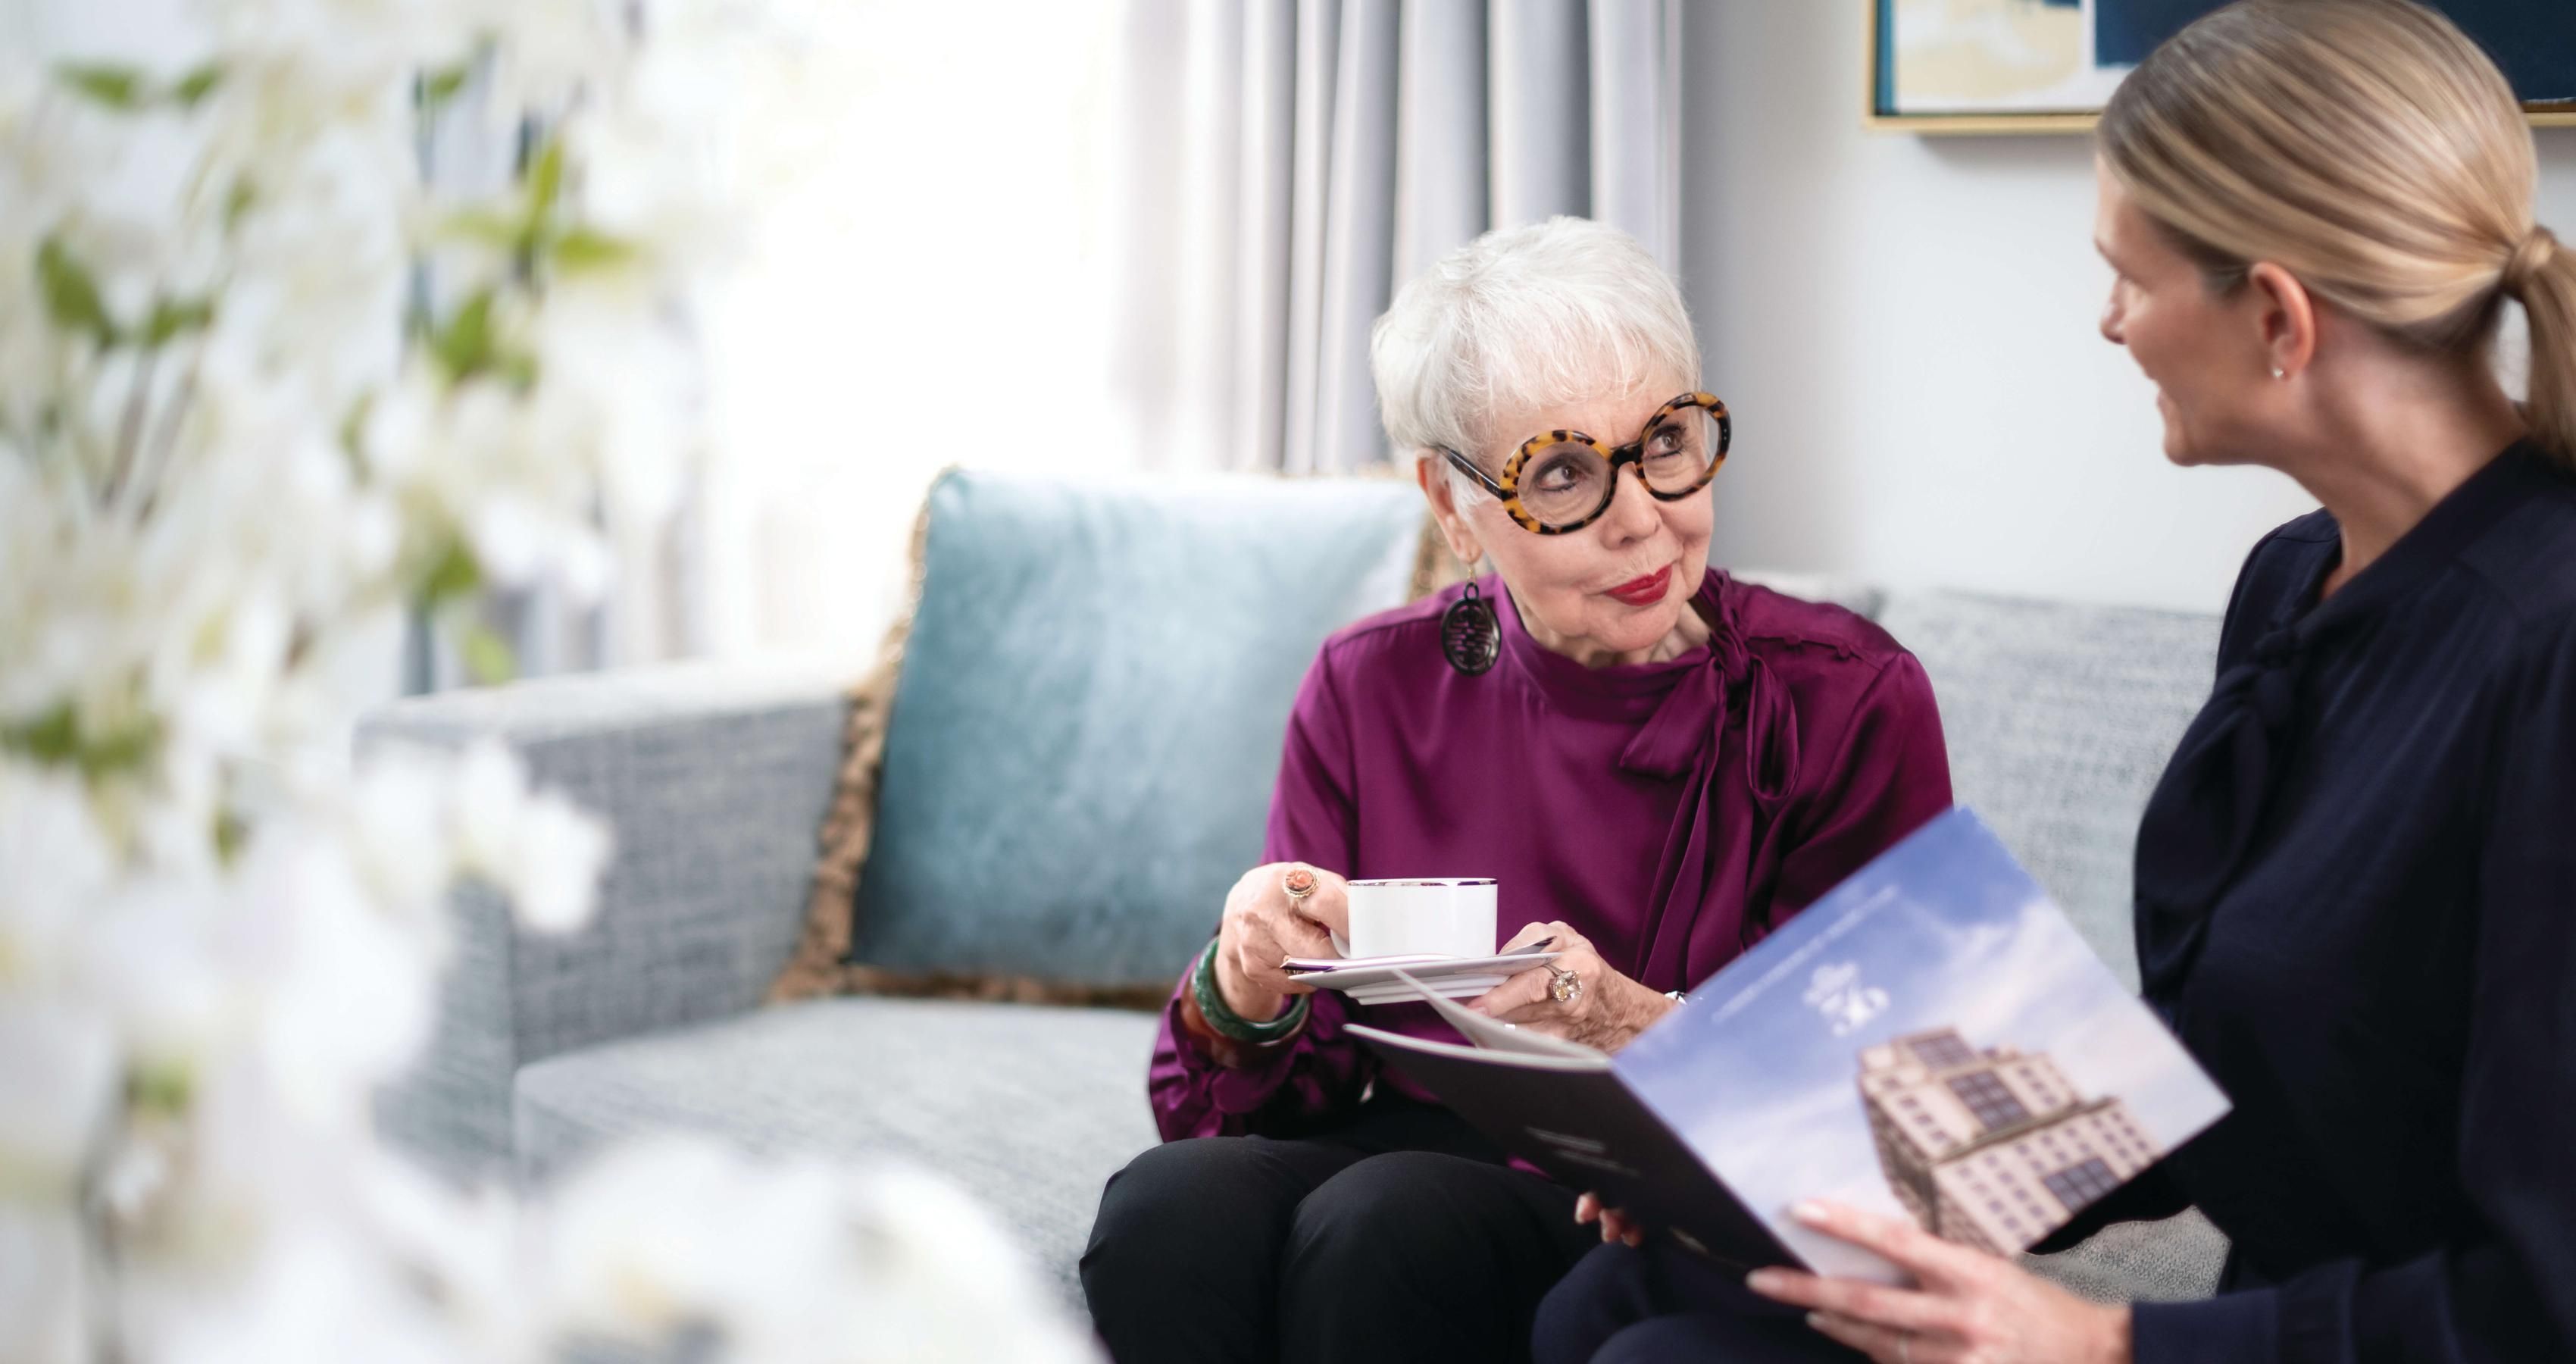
(1930, 1040)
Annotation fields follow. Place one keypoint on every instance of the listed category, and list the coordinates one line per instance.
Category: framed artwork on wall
(2030, 66)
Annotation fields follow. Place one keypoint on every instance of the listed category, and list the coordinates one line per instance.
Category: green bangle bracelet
(1212, 1007)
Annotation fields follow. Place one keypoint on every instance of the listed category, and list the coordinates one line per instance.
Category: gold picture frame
(2560, 113)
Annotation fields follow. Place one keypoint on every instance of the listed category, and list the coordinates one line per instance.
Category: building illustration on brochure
(1992, 1148)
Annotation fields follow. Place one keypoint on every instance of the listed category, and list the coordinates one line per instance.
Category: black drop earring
(1469, 637)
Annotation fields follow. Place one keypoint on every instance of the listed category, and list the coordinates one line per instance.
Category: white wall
(1904, 328)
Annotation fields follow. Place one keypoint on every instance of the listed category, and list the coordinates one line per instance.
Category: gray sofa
(716, 779)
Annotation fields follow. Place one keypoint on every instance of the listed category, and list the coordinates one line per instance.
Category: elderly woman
(1657, 763)
(2356, 885)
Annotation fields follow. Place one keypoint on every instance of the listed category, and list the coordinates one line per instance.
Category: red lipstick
(1645, 591)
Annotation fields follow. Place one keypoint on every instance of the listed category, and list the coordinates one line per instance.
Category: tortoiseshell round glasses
(1561, 481)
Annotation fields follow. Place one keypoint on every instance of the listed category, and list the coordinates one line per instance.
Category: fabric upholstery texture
(1031, 1109)
(713, 781)
(1080, 754)
(2175, 1260)
(2060, 719)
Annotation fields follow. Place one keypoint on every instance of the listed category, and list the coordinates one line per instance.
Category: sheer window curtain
(924, 284)
(1104, 237)
(1296, 160)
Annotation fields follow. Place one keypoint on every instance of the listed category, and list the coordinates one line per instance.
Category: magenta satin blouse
(1671, 812)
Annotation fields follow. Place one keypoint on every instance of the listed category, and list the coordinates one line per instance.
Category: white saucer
(1454, 978)
(1455, 987)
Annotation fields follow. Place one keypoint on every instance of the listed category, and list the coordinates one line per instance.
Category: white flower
(491, 785)
(795, 1263)
(554, 870)
(58, 1065)
(346, 1001)
(229, 458)
(43, 1284)
(396, 823)
(54, 865)
(151, 956)
(537, 848)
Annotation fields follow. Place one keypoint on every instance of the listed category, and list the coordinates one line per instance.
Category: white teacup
(1420, 916)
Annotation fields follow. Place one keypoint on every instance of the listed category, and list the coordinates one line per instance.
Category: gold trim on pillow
(819, 966)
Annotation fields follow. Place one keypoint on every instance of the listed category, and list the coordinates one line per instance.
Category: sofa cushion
(1079, 758)
(2175, 1260)
(2060, 718)
(1030, 1109)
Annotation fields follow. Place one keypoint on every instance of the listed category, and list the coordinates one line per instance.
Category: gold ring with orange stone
(1299, 884)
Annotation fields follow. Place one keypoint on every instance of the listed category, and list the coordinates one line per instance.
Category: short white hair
(1534, 316)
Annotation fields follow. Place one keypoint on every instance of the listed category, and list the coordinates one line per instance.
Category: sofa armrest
(715, 780)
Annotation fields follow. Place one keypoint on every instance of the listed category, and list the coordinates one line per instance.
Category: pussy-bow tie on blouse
(1687, 737)
(2210, 807)
(2202, 819)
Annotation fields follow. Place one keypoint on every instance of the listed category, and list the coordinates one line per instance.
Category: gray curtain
(1289, 163)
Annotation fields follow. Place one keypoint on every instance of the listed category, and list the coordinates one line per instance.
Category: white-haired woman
(2357, 881)
(1656, 762)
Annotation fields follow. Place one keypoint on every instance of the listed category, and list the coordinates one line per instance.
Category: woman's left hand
(1969, 1307)
(1607, 1012)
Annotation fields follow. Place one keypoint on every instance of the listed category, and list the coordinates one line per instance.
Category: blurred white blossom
(780, 1261)
(263, 390)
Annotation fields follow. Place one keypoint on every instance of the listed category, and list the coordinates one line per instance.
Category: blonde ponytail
(2371, 149)
(2542, 277)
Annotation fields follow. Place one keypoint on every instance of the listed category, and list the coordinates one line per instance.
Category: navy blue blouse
(2357, 906)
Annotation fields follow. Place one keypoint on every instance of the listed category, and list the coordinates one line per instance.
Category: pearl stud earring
(2277, 373)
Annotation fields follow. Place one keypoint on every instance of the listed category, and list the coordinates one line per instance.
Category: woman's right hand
(1263, 926)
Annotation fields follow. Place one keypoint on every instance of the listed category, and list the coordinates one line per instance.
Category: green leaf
(117, 87)
(545, 180)
(196, 85)
(516, 368)
(353, 433)
(57, 737)
(160, 1088)
(589, 249)
(484, 226)
(173, 316)
(440, 86)
(464, 347)
(231, 832)
(50, 738)
(454, 575)
(238, 201)
(72, 298)
(488, 657)
(121, 750)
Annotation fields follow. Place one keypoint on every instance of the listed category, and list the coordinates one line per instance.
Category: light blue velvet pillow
(1080, 754)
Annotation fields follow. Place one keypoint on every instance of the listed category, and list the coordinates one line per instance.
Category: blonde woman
(2356, 883)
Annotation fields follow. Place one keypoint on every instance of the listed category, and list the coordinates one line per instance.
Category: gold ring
(1298, 883)
(1564, 985)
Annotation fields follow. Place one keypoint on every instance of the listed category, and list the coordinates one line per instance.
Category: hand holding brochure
(1931, 1040)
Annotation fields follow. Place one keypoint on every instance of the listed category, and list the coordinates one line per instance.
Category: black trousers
(1662, 1303)
(1399, 1235)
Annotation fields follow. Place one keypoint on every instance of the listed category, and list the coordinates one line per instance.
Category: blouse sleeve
(2506, 1289)
(1322, 1071)
(1888, 772)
